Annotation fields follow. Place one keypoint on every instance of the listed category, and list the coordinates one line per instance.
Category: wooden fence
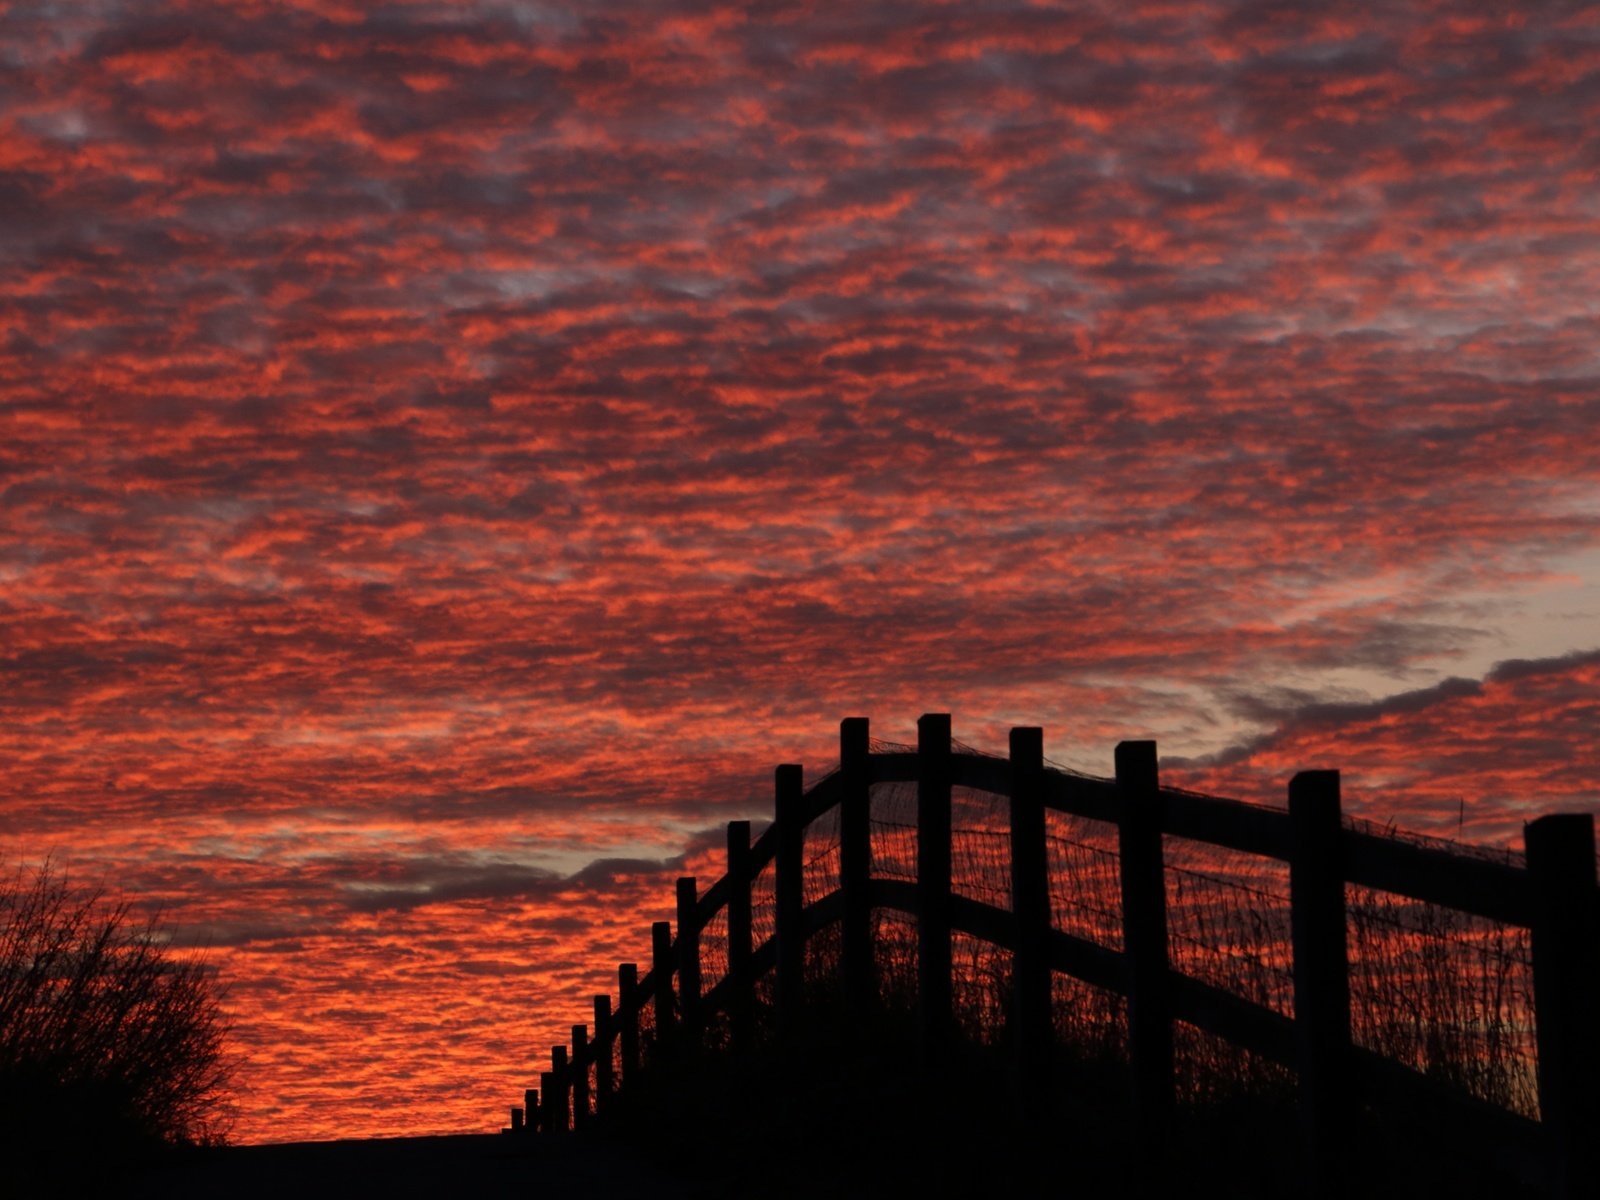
(1552, 895)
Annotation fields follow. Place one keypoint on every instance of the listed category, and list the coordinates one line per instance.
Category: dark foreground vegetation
(972, 972)
(846, 1107)
(111, 1043)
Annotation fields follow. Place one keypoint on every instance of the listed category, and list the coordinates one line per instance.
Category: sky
(450, 452)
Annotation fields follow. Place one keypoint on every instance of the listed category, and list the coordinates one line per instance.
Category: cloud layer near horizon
(446, 445)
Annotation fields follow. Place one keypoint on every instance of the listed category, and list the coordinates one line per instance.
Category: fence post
(1321, 975)
(789, 886)
(547, 1103)
(580, 1076)
(688, 965)
(603, 1053)
(560, 1090)
(1566, 993)
(855, 864)
(530, 1105)
(628, 1003)
(933, 884)
(1144, 937)
(739, 934)
(1033, 1032)
(661, 973)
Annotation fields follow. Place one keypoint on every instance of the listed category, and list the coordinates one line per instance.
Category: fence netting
(714, 950)
(893, 820)
(820, 854)
(1228, 921)
(980, 846)
(1442, 992)
(1085, 881)
(764, 905)
(1446, 993)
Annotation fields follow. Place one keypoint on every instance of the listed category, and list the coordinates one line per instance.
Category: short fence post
(661, 973)
(1144, 937)
(560, 1091)
(933, 885)
(790, 888)
(1321, 974)
(1033, 1030)
(547, 1104)
(1566, 993)
(739, 934)
(855, 863)
(516, 1119)
(580, 1076)
(530, 1105)
(688, 965)
(603, 1053)
(628, 1004)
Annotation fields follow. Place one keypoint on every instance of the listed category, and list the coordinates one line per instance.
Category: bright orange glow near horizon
(451, 451)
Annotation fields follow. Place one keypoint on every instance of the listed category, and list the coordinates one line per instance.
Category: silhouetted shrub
(109, 1041)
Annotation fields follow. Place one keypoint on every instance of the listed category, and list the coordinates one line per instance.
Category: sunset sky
(449, 452)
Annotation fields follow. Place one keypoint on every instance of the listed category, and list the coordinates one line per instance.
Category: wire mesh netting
(764, 905)
(1439, 991)
(821, 856)
(893, 809)
(714, 949)
(1085, 880)
(1446, 993)
(1228, 921)
(980, 846)
(1503, 856)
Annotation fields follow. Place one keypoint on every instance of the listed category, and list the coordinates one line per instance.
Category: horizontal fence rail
(1317, 921)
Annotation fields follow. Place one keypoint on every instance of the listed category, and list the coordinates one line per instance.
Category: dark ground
(836, 1120)
(485, 1166)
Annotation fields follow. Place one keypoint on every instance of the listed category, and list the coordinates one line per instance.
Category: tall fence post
(1033, 1032)
(628, 1004)
(1144, 938)
(603, 1053)
(688, 965)
(560, 1090)
(1321, 975)
(855, 863)
(789, 783)
(933, 885)
(530, 1105)
(741, 984)
(580, 1076)
(661, 974)
(547, 1102)
(1566, 993)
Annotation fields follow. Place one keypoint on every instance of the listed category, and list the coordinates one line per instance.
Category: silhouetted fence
(1092, 884)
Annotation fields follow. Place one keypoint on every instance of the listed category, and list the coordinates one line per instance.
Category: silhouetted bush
(110, 1043)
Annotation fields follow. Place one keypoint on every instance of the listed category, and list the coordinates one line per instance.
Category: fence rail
(1553, 896)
